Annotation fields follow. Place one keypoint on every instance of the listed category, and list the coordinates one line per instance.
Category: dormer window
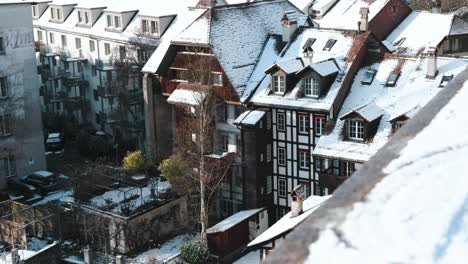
(311, 87)
(84, 18)
(114, 22)
(56, 14)
(279, 84)
(398, 125)
(35, 11)
(355, 129)
(149, 26)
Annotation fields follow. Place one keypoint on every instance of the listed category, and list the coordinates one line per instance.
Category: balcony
(328, 180)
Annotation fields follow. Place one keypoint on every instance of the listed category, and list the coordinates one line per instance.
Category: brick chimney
(289, 25)
(297, 200)
(364, 22)
(432, 63)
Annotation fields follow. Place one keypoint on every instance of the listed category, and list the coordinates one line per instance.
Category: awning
(187, 97)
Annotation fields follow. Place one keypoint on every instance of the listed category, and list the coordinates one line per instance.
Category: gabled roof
(411, 92)
(412, 37)
(368, 112)
(324, 68)
(459, 26)
(288, 66)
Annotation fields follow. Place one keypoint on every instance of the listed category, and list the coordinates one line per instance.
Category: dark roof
(459, 26)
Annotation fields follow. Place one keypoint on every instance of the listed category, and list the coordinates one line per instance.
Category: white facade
(21, 134)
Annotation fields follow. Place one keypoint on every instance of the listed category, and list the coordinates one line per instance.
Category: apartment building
(91, 54)
(21, 137)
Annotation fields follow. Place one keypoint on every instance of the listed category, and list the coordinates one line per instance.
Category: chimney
(364, 23)
(289, 25)
(297, 200)
(432, 63)
(14, 256)
(308, 51)
(436, 6)
(119, 259)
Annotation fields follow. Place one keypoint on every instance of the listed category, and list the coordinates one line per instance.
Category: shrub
(172, 168)
(134, 161)
(194, 252)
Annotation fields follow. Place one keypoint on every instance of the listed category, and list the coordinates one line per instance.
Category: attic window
(445, 80)
(114, 22)
(368, 77)
(355, 129)
(392, 79)
(84, 18)
(398, 124)
(56, 14)
(311, 87)
(399, 42)
(279, 84)
(330, 44)
(149, 26)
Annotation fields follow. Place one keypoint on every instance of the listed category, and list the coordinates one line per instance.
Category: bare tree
(206, 169)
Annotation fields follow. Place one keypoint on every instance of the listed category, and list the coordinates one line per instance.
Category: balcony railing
(329, 180)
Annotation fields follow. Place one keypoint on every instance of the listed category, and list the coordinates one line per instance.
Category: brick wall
(388, 18)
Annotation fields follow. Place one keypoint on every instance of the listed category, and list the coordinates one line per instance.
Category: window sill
(56, 21)
(110, 29)
(84, 25)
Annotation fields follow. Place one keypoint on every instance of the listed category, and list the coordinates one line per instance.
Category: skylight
(368, 77)
(392, 79)
(399, 42)
(330, 44)
(308, 45)
(445, 80)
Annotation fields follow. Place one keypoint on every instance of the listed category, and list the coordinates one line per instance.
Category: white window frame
(150, 26)
(282, 187)
(279, 84)
(107, 48)
(319, 124)
(281, 156)
(304, 123)
(304, 159)
(356, 129)
(281, 125)
(217, 78)
(349, 168)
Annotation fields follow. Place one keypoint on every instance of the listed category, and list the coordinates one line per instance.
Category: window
(78, 43)
(445, 79)
(281, 156)
(282, 187)
(368, 77)
(268, 121)
(348, 168)
(311, 87)
(116, 21)
(93, 70)
(87, 15)
(141, 55)
(303, 123)
(5, 125)
(224, 143)
(319, 124)
(64, 40)
(4, 87)
(144, 26)
(35, 11)
(399, 42)
(109, 21)
(52, 13)
(217, 78)
(279, 85)
(304, 159)
(268, 153)
(392, 79)
(398, 125)
(319, 165)
(355, 129)
(122, 52)
(92, 46)
(281, 121)
(106, 48)
(39, 35)
(225, 112)
(269, 184)
(80, 17)
(149, 26)
(9, 166)
(154, 27)
(59, 14)
(51, 38)
(181, 75)
(329, 45)
(2, 46)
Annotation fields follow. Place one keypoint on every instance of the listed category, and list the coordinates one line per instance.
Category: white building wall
(18, 63)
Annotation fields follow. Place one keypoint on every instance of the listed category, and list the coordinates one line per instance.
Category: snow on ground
(251, 258)
(36, 244)
(62, 195)
(119, 195)
(167, 250)
(23, 254)
(419, 212)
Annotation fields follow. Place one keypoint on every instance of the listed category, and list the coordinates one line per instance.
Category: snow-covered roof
(369, 112)
(249, 118)
(288, 223)
(339, 52)
(410, 216)
(233, 220)
(345, 13)
(325, 68)
(301, 4)
(188, 97)
(44, 174)
(412, 37)
(459, 26)
(197, 32)
(289, 66)
(412, 90)
(158, 8)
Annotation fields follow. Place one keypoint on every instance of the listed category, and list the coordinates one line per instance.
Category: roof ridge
(248, 4)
